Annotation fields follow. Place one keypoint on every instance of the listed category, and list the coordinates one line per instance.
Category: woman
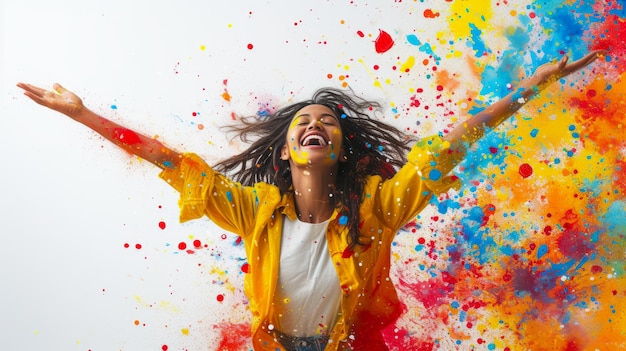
(317, 199)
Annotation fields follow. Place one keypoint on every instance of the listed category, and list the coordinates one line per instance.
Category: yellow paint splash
(466, 12)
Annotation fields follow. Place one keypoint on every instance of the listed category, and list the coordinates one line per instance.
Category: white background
(69, 201)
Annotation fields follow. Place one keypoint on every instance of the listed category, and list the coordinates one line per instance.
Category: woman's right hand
(58, 99)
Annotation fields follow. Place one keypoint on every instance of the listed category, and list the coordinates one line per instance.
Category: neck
(313, 193)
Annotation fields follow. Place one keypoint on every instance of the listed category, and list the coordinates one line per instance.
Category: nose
(315, 123)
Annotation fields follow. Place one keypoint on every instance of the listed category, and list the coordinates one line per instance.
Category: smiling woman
(317, 204)
(314, 128)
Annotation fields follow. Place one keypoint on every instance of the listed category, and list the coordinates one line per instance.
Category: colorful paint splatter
(530, 252)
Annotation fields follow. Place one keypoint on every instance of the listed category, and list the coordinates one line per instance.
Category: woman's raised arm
(475, 127)
(68, 103)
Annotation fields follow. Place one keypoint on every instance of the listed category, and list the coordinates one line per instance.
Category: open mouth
(314, 140)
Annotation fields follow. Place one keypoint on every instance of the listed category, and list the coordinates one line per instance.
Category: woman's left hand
(551, 72)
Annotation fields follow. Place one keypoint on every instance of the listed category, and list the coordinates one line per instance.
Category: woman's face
(314, 137)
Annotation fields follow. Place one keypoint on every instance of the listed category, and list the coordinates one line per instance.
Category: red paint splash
(574, 241)
(431, 293)
(162, 225)
(525, 170)
(245, 268)
(428, 13)
(126, 136)
(383, 42)
(233, 337)
(398, 338)
(610, 34)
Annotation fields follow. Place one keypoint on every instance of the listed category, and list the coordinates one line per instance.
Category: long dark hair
(372, 147)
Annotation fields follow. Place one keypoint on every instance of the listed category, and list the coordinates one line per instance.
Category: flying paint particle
(220, 297)
(343, 220)
(245, 268)
(138, 246)
(525, 170)
(182, 245)
(162, 225)
(359, 33)
(383, 42)
(250, 46)
(428, 13)
(434, 174)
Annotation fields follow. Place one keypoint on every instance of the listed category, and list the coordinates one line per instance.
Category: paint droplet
(138, 246)
(164, 347)
(202, 47)
(591, 93)
(185, 331)
(359, 33)
(525, 170)
(197, 243)
(245, 268)
(343, 220)
(114, 107)
(383, 42)
(162, 225)
(182, 245)
(434, 174)
(126, 136)
(595, 269)
(428, 13)
(250, 46)
(126, 245)
(220, 297)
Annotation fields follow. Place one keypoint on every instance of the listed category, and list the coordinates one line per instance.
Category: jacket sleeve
(203, 191)
(399, 199)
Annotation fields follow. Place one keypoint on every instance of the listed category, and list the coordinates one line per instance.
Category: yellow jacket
(369, 300)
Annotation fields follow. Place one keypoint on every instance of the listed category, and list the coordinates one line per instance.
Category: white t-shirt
(308, 294)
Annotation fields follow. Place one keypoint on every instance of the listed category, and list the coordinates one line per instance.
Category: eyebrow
(322, 116)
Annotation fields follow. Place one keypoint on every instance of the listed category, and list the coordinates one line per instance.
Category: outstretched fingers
(35, 93)
(32, 90)
(581, 63)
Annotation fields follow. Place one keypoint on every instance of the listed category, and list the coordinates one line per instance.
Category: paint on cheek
(300, 158)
